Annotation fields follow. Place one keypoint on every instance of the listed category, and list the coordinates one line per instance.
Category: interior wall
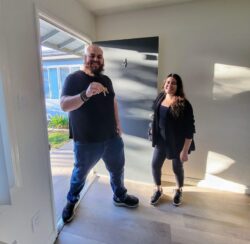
(30, 217)
(194, 38)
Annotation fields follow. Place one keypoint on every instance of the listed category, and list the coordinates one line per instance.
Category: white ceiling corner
(105, 7)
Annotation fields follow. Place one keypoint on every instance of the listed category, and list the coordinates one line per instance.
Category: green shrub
(59, 122)
(58, 139)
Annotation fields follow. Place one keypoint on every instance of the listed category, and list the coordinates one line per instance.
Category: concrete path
(62, 161)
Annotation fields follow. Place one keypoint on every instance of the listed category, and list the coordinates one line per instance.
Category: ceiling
(103, 7)
(56, 39)
(59, 41)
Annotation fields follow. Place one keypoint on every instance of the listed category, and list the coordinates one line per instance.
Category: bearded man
(94, 126)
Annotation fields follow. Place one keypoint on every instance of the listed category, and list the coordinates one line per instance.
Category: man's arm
(70, 103)
(118, 125)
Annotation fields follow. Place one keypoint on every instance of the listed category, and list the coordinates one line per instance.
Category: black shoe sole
(68, 220)
(71, 218)
(177, 204)
(155, 203)
(121, 204)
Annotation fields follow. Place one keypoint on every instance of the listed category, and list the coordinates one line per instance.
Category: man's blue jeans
(87, 155)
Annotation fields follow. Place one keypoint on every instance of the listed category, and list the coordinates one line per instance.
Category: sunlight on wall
(217, 163)
(130, 74)
(137, 113)
(218, 183)
(230, 80)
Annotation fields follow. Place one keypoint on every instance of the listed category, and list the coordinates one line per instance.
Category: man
(94, 125)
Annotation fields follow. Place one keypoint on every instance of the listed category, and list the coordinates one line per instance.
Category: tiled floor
(206, 216)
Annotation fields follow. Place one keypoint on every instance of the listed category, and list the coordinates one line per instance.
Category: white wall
(21, 77)
(193, 38)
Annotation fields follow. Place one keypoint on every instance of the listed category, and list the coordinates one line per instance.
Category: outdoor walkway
(62, 161)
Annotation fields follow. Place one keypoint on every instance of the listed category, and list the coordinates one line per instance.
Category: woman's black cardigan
(178, 128)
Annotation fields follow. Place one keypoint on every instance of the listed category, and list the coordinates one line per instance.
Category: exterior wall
(207, 43)
(30, 217)
(54, 74)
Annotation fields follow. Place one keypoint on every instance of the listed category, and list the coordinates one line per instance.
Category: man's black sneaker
(156, 197)
(68, 212)
(127, 201)
(177, 197)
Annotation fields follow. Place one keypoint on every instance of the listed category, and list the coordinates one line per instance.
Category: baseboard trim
(188, 180)
(212, 182)
(53, 237)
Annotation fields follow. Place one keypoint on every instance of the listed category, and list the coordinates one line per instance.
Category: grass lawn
(58, 138)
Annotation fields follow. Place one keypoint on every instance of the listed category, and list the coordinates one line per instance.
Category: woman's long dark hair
(177, 107)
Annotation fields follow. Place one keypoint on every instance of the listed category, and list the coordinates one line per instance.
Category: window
(64, 72)
(75, 68)
(53, 83)
(54, 78)
(46, 83)
(6, 167)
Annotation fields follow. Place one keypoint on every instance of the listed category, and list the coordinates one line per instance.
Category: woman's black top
(163, 120)
(172, 130)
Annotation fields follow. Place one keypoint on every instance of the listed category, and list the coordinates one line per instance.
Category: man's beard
(97, 71)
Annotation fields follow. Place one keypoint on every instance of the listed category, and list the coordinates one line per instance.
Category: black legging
(159, 157)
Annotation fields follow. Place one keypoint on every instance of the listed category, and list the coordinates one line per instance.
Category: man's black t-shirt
(94, 121)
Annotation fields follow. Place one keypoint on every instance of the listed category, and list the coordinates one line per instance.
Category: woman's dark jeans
(159, 156)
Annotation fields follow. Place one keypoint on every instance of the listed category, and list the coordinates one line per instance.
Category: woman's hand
(184, 151)
(184, 156)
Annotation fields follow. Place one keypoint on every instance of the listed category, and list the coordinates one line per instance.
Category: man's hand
(119, 130)
(96, 88)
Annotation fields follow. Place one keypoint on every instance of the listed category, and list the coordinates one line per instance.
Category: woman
(172, 134)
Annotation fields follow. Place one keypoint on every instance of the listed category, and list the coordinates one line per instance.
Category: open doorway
(61, 54)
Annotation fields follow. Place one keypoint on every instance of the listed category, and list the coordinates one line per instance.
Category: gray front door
(132, 65)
